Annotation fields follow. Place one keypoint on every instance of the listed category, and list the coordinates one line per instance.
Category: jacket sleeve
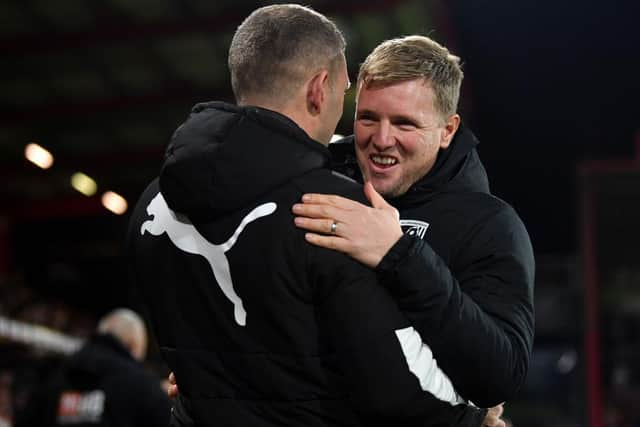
(155, 408)
(391, 375)
(480, 321)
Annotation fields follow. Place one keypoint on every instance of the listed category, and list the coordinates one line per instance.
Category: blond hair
(414, 57)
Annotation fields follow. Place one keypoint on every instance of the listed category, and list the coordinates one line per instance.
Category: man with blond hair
(259, 327)
(457, 259)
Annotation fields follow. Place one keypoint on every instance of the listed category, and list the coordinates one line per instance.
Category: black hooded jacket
(463, 272)
(260, 327)
(99, 385)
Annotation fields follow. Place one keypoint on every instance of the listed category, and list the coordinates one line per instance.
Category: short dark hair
(277, 46)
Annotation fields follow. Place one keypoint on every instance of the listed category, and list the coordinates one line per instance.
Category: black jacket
(261, 328)
(100, 385)
(463, 272)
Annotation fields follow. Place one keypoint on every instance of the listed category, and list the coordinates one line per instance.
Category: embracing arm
(480, 322)
(391, 374)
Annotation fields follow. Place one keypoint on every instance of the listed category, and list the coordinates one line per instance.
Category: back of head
(276, 48)
(126, 326)
(413, 57)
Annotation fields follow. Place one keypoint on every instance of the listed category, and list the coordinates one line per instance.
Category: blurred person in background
(457, 259)
(103, 383)
(260, 327)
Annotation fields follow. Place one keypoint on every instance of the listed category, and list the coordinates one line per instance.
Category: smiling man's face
(398, 134)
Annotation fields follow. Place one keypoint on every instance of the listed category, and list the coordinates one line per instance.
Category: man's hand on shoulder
(362, 232)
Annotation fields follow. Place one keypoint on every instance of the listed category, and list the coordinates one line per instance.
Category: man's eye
(406, 126)
(366, 120)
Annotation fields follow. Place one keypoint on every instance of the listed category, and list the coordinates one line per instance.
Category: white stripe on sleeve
(423, 365)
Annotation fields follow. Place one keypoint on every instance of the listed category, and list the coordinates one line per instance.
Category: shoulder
(485, 215)
(474, 223)
(330, 268)
(149, 192)
(140, 210)
(495, 232)
(499, 216)
(478, 209)
(326, 181)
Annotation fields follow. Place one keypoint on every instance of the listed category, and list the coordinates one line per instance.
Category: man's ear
(316, 92)
(449, 130)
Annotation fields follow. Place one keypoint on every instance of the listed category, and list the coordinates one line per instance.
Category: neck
(296, 111)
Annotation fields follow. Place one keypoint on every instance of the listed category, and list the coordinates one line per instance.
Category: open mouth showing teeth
(383, 160)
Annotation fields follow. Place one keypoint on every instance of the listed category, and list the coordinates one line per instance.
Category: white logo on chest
(186, 238)
(412, 227)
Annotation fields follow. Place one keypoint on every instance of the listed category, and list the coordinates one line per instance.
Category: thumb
(374, 197)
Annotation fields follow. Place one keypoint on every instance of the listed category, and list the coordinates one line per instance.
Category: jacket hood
(224, 157)
(458, 168)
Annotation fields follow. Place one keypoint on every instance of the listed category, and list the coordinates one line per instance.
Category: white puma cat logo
(186, 238)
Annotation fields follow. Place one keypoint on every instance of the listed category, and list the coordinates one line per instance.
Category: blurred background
(551, 89)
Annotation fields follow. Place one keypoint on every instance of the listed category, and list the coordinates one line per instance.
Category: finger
(315, 211)
(493, 420)
(317, 225)
(172, 378)
(329, 242)
(172, 391)
(499, 410)
(377, 201)
(330, 200)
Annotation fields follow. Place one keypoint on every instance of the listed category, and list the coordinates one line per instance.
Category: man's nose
(383, 137)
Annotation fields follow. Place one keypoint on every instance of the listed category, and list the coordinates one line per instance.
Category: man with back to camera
(260, 327)
(103, 383)
(463, 270)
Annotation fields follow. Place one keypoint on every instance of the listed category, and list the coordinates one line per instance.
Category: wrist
(404, 247)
